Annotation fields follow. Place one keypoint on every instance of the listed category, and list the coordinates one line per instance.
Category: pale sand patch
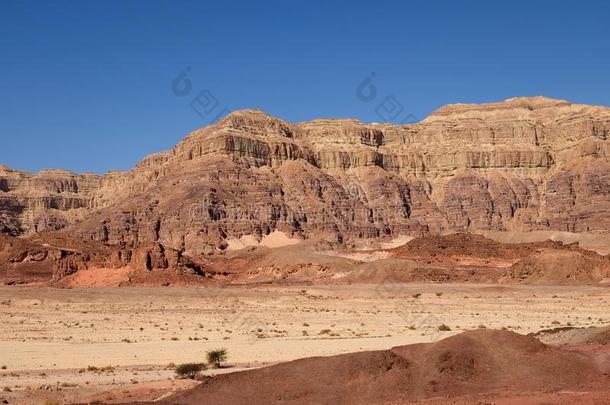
(598, 242)
(361, 256)
(278, 239)
(242, 242)
(369, 253)
(375, 244)
(481, 261)
(156, 353)
(273, 240)
(99, 277)
(397, 242)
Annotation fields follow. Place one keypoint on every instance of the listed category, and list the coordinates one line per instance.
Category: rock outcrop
(53, 258)
(522, 164)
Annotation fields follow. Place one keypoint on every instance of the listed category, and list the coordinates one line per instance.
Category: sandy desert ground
(118, 344)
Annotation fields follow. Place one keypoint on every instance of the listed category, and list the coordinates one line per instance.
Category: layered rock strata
(521, 164)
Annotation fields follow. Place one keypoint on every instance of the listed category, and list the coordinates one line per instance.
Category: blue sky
(87, 85)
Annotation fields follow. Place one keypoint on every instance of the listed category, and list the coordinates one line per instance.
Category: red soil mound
(474, 258)
(557, 266)
(469, 245)
(481, 362)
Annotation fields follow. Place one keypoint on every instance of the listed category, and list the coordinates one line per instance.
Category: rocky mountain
(521, 164)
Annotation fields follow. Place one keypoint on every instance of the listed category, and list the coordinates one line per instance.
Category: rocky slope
(521, 164)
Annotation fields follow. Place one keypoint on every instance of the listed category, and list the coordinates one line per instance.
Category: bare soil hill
(474, 363)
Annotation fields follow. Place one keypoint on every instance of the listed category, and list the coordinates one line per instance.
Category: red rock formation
(54, 257)
(521, 164)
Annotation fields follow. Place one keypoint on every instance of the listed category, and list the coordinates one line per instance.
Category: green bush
(190, 370)
(216, 357)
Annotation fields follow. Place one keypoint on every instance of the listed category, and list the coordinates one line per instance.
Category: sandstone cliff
(521, 164)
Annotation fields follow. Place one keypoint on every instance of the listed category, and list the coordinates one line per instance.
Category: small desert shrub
(216, 357)
(189, 370)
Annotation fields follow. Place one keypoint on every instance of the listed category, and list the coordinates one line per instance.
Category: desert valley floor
(118, 344)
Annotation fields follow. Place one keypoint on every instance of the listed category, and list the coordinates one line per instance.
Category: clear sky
(87, 85)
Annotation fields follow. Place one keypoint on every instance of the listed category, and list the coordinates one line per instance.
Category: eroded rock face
(521, 164)
(53, 257)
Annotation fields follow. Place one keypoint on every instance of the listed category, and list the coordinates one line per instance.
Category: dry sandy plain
(117, 344)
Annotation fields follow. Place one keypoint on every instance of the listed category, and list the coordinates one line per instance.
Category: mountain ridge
(520, 164)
